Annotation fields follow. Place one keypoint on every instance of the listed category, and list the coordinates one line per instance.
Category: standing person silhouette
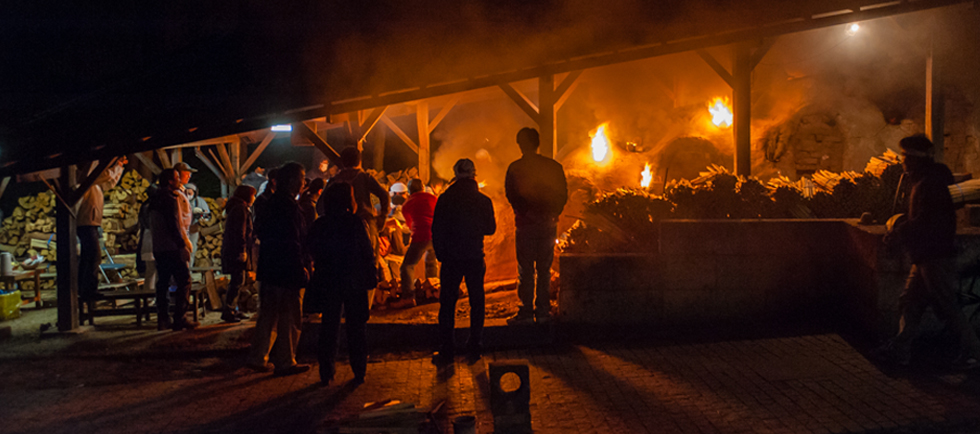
(463, 216)
(537, 190)
(343, 272)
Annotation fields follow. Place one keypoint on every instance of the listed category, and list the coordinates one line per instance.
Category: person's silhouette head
(350, 157)
(528, 140)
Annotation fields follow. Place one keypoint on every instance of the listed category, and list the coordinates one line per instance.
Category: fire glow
(600, 144)
(646, 176)
(721, 114)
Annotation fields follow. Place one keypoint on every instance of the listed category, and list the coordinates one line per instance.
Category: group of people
(318, 250)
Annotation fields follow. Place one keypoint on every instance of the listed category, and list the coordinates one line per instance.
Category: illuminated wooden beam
(319, 143)
(522, 101)
(258, 151)
(401, 134)
(719, 69)
(422, 120)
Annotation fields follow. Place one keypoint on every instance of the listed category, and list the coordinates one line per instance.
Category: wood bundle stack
(212, 231)
(826, 180)
(877, 165)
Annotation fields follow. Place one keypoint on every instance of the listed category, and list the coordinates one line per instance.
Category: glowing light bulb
(853, 28)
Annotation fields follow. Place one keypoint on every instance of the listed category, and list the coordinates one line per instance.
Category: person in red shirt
(418, 210)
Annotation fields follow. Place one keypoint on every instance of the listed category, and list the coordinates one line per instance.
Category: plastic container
(6, 264)
(9, 305)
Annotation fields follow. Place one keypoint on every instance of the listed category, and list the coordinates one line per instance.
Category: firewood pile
(29, 230)
(212, 231)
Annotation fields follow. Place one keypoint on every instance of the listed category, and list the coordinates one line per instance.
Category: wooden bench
(88, 310)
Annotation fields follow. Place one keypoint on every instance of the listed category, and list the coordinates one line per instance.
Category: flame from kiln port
(721, 114)
(600, 144)
(646, 176)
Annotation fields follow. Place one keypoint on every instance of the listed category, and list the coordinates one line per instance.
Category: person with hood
(462, 217)
(928, 234)
(343, 272)
(236, 248)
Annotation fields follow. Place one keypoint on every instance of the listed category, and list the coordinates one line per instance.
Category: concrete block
(510, 396)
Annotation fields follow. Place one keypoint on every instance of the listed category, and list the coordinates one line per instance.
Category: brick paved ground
(802, 384)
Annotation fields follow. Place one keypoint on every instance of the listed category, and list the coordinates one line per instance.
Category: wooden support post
(3, 185)
(318, 142)
(935, 101)
(258, 151)
(546, 116)
(742, 108)
(176, 156)
(164, 159)
(422, 119)
(367, 124)
(234, 151)
(147, 159)
(67, 256)
(401, 134)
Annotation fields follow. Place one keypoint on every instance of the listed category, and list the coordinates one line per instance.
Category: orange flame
(646, 176)
(721, 114)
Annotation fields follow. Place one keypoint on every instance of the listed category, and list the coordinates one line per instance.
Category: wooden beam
(935, 100)
(401, 134)
(73, 196)
(207, 162)
(258, 151)
(217, 162)
(370, 121)
(719, 69)
(147, 159)
(443, 112)
(567, 86)
(742, 108)
(231, 138)
(546, 120)
(319, 143)
(422, 120)
(3, 185)
(164, 160)
(176, 156)
(67, 259)
(761, 51)
(522, 102)
(236, 163)
(226, 161)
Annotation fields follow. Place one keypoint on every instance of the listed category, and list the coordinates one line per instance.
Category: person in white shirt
(89, 222)
(183, 203)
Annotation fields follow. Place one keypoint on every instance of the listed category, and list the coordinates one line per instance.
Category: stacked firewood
(212, 231)
(28, 230)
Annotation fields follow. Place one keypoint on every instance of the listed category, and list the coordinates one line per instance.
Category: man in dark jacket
(537, 190)
(282, 274)
(236, 247)
(365, 186)
(172, 251)
(928, 234)
(463, 216)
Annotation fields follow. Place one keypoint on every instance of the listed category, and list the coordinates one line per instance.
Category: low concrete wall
(725, 271)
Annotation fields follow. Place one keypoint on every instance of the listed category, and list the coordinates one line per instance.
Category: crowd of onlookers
(320, 246)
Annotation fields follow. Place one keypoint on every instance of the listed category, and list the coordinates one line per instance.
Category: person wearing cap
(398, 192)
(537, 191)
(418, 211)
(89, 215)
(462, 217)
(171, 250)
(183, 202)
(928, 235)
(199, 210)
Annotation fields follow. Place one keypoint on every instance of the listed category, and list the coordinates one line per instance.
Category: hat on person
(191, 186)
(464, 168)
(916, 146)
(398, 187)
(184, 167)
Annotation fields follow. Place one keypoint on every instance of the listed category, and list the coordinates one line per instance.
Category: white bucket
(6, 264)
